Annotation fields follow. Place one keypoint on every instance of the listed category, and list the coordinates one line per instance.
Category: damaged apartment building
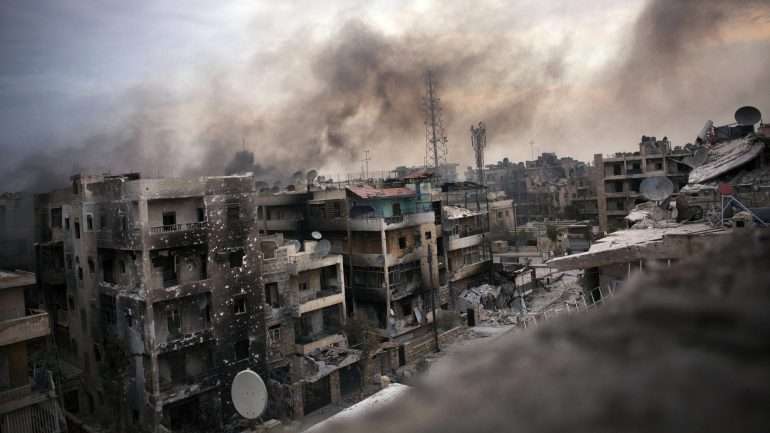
(390, 242)
(169, 269)
(727, 189)
(29, 402)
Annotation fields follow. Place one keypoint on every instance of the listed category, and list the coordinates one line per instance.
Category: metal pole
(433, 297)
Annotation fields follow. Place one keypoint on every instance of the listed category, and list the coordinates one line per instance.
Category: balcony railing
(178, 227)
(15, 394)
(34, 325)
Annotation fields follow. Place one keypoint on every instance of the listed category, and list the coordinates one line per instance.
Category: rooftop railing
(178, 227)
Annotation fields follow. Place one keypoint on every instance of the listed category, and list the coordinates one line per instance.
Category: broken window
(102, 221)
(91, 265)
(56, 217)
(274, 335)
(201, 214)
(89, 222)
(236, 258)
(268, 249)
(80, 273)
(233, 213)
(396, 209)
(66, 223)
(107, 271)
(166, 260)
(271, 295)
(402, 242)
(174, 321)
(77, 230)
(428, 235)
(302, 286)
(169, 219)
(241, 349)
(122, 266)
(239, 304)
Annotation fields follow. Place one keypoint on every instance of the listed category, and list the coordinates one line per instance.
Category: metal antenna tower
(435, 139)
(479, 143)
(366, 161)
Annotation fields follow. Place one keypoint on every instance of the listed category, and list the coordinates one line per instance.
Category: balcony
(188, 386)
(319, 300)
(456, 242)
(34, 325)
(181, 341)
(121, 239)
(23, 408)
(469, 270)
(305, 345)
(279, 225)
(178, 235)
(374, 223)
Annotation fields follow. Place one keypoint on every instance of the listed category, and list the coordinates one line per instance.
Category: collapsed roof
(726, 156)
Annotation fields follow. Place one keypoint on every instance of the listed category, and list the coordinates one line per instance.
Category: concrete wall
(11, 303)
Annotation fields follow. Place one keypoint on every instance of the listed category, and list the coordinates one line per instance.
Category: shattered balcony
(34, 324)
(317, 300)
(308, 344)
(178, 235)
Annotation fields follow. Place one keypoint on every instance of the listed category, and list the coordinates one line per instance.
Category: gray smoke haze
(361, 88)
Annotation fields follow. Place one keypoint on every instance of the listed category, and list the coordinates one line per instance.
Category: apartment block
(619, 177)
(170, 267)
(28, 399)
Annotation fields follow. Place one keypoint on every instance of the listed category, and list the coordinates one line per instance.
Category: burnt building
(166, 273)
(28, 399)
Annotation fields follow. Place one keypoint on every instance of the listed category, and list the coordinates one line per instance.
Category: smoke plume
(361, 88)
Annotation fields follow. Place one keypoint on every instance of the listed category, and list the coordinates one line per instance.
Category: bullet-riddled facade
(171, 268)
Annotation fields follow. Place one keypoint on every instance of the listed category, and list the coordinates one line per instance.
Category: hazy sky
(177, 87)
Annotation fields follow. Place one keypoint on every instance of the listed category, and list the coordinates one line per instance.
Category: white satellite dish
(249, 394)
(316, 235)
(656, 188)
(697, 158)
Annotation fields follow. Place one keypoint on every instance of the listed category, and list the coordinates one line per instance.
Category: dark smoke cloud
(362, 88)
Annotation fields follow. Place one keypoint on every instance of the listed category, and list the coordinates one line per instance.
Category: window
(66, 223)
(71, 302)
(271, 295)
(74, 187)
(241, 349)
(91, 265)
(107, 271)
(169, 218)
(274, 335)
(83, 321)
(80, 273)
(239, 304)
(236, 258)
(122, 266)
(337, 211)
(396, 209)
(268, 249)
(129, 317)
(69, 261)
(428, 235)
(402, 242)
(102, 221)
(201, 214)
(56, 217)
(89, 222)
(77, 230)
(174, 321)
(302, 286)
(233, 213)
(97, 354)
(204, 266)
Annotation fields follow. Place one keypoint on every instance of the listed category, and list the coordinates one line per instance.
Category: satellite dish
(656, 188)
(323, 248)
(316, 235)
(249, 394)
(747, 115)
(295, 243)
(704, 132)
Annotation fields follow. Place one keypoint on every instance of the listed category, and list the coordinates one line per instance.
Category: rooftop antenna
(249, 394)
(479, 143)
(532, 149)
(435, 138)
(365, 164)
